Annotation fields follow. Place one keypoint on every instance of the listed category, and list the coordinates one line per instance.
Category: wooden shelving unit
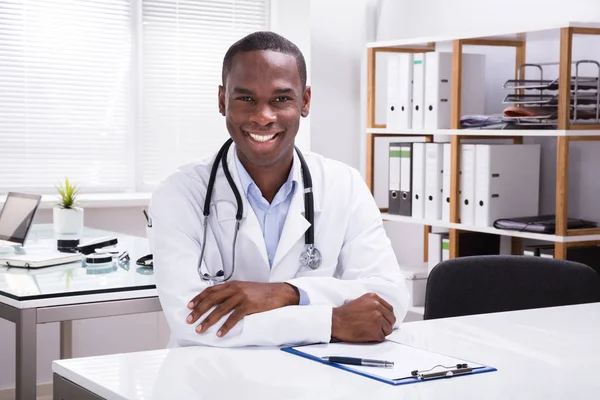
(565, 134)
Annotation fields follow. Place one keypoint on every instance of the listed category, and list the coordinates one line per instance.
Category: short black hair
(264, 40)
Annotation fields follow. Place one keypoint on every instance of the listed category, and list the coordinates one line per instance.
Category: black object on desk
(98, 243)
(67, 245)
(145, 261)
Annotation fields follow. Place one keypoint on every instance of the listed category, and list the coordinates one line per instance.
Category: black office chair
(485, 284)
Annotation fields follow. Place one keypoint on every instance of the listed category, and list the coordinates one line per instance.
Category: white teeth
(261, 138)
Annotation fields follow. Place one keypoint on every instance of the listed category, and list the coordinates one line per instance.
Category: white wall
(409, 18)
(338, 40)
(290, 18)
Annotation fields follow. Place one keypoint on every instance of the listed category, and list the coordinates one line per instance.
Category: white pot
(68, 220)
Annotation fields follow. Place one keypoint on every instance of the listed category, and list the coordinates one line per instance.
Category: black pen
(365, 362)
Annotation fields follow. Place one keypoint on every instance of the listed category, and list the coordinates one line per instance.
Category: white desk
(544, 354)
(70, 292)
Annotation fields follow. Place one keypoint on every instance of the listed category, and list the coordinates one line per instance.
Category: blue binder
(406, 380)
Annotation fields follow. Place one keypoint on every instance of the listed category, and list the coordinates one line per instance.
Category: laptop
(16, 218)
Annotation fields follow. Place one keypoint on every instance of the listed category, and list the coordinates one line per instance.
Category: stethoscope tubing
(309, 238)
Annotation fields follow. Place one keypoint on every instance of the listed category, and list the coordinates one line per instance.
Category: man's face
(262, 102)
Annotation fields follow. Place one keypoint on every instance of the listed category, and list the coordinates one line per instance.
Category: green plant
(67, 195)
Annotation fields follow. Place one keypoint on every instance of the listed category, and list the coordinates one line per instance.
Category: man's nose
(263, 115)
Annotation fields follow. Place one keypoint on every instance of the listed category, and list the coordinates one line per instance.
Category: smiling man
(233, 235)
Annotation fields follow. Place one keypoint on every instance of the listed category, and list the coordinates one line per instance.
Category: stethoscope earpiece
(310, 257)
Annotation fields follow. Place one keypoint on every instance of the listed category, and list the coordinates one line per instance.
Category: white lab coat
(357, 254)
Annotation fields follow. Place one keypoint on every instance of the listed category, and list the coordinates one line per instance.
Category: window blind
(183, 44)
(65, 94)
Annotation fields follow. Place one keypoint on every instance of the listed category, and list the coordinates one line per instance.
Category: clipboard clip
(445, 372)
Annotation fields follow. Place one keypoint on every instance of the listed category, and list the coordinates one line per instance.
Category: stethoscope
(309, 257)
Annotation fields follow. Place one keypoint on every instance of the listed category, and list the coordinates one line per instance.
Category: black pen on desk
(365, 362)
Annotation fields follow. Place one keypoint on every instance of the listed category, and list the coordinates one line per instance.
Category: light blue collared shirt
(271, 217)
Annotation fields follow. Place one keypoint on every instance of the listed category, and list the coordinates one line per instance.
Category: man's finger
(386, 327)
(219, 312)
(233, 319)
(205, 293)
(209, 302)
(385, 304)
(388, 315)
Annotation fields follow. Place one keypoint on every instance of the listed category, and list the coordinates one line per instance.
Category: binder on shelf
(434, 153)
(394, 178)
(507, 181)
(408, 364)
(467, 184)
(445, 247)
(400, 91)
(434, 249)
(418, 180)
(418, 115)
(438, 83)
(406, 179)
(446, 176)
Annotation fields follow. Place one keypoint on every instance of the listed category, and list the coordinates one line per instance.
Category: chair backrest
(485, 284)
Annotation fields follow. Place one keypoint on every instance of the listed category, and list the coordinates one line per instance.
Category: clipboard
(411, 365)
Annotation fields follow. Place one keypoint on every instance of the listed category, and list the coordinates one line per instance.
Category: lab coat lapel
(293, 230)
(250, 227)
(291, 242)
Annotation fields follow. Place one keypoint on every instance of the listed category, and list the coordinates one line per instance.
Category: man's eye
(244, 98)
(282, 99)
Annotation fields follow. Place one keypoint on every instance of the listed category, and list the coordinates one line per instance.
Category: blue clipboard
(396, 382)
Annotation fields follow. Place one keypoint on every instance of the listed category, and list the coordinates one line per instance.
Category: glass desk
(69, 292)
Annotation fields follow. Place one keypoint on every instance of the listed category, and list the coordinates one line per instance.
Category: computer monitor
(16, 217)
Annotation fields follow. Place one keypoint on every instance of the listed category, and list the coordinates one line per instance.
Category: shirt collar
(246, 180)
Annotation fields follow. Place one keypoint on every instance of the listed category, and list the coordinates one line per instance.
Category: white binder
(434, 250)
(434, 153)
(507, 182)
(399, 95)
(467, 184)
(418, 189)
(418, 116)
(447, 166)
(438, 83)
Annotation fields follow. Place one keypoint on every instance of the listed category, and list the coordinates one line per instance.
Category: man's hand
(243, 298)
(366, 319)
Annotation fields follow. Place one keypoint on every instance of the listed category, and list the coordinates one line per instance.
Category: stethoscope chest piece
(310, 257)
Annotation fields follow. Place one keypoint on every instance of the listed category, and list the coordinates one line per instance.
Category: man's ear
(306, 102)
(222, 100)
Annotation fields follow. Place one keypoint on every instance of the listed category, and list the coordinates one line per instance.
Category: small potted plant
(68, 218)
